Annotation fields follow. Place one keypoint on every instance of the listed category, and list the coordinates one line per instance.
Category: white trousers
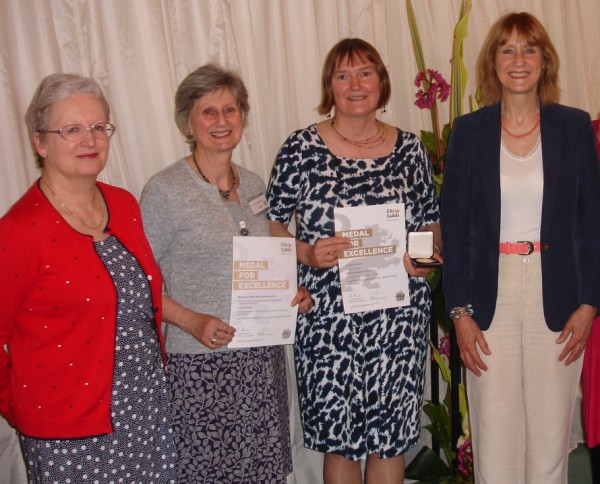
(521, 407)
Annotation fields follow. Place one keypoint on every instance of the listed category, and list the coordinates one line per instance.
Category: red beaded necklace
(520, 136)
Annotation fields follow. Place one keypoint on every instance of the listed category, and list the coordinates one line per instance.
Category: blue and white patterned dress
(361, 376)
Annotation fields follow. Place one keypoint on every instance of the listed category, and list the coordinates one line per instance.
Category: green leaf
(462, 399)
(414, 35)
(427, 465)
(444, 370)
(439, 425)
(428, 139)
(475, 100)
(446, 135)
(439, 306)
(459, 71)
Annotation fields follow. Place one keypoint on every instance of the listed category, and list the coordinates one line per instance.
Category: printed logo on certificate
(372, 275)
(263, 285)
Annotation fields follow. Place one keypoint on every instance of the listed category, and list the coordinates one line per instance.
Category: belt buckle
(529, 247)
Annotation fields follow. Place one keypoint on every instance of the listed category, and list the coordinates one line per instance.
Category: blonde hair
(533, 32)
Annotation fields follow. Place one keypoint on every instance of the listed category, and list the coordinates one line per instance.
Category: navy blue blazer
(570, 225)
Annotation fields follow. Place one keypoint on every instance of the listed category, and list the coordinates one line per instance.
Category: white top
(521, 187)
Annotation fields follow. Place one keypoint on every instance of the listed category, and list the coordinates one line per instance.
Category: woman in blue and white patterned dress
(361, 375)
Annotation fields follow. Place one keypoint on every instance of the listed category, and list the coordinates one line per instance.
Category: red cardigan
(58, 316)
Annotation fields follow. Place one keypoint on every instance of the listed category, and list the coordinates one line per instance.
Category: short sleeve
(284, 187)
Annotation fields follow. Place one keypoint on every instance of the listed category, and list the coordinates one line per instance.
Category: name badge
(258, 204)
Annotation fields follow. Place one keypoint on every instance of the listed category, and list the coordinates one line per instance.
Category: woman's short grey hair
(52, 89)
(204, 80)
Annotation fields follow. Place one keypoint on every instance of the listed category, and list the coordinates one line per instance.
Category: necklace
(226, 194)
(73, 214)
(520, 136)
(371, 142)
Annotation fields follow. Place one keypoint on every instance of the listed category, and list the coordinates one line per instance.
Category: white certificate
(264, 283)
(372, 274)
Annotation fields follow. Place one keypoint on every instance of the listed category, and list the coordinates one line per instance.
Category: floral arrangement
(433, 90)
(439, 415)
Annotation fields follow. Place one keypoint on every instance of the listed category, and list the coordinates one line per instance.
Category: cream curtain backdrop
(139, 51)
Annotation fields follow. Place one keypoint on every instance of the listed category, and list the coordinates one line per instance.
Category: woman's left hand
(415, 271)
(578, 327)
(303, 300)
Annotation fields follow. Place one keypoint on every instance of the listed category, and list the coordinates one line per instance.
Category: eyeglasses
(76, 132)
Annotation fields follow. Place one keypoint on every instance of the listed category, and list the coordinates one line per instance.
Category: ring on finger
(214, 338)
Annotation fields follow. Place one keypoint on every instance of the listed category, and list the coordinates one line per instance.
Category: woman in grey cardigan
(230, 406)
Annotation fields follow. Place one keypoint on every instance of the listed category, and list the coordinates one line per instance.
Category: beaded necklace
(226, 194)
(520, 136)
(371, 142)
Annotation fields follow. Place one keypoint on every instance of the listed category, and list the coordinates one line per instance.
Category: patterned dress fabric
(361, 375)
(230, 418)
(140, 449)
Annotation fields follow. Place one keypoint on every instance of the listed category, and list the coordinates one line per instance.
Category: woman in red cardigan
(591, 378)
(82, 381)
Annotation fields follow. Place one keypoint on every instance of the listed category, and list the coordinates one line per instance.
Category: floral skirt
(230, 416)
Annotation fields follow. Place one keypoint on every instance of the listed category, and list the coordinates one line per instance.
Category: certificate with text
(372, 275)
(264, 283)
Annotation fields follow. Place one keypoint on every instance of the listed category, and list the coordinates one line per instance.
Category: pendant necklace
(226, 194)
(73, 214)
(520, 136)
(243, 229)
(371, 142)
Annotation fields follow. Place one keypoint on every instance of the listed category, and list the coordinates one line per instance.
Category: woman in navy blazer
(521, 278)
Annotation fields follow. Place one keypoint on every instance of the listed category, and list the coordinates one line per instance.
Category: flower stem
(436, 131)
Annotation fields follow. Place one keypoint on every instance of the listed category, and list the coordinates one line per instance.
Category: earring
(329, 115)
(383, 109)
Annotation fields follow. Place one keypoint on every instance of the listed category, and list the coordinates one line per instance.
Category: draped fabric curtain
(140, 50)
